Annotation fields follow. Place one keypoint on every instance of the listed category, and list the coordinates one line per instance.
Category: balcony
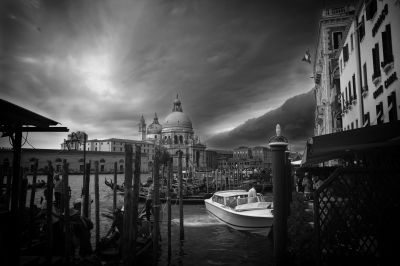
(387, 65)
(376, 78)
(364, 91)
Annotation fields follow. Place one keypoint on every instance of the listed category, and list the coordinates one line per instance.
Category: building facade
(177, 134)
(332, 26)
(247, 158)
(74, 158)
(375, 91)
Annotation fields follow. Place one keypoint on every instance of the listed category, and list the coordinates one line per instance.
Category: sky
(97, 66)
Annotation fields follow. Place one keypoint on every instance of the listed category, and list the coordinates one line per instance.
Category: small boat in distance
(234, 208)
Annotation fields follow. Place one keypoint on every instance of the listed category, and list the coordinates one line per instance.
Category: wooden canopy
(13, 116)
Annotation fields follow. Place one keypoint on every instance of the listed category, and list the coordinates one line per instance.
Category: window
(352, 125)
(356, 123)
(81, 167)
(392, 107)
(370, 9)
(337, 37)
(375, 58)
(354, 87)
(387, 46)
(379, 113)
(340, 65)
(366, 120)
(95, 148)
(365, 77)
(346, 53)
(120, 149)
(113, 148)
(102, 168)
(361, 29)
(175, 139)
(350, 96)
(351, 42)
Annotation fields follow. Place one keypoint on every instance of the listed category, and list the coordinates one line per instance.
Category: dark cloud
(96, 63)
(295, 116)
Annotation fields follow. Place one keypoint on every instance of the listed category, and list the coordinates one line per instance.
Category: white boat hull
(252, 220)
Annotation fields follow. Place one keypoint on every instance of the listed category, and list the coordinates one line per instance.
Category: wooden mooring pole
(126, 242)
(49, 211)
(66, 198)
(96, 203)
(86, 196)
(278, 146)
(156, 205)
(135, 201)
(181, 229)
(169, 207)
(115, 187)
(32, 202)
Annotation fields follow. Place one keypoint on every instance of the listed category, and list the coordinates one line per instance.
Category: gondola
(110, 184)
(109, 251)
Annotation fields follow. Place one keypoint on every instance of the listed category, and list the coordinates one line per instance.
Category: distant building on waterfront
(332, 26)
(73, 157)
(369, 59)
(176, 133)
(247, 158)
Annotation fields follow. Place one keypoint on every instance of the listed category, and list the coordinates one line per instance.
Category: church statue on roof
(176, 133)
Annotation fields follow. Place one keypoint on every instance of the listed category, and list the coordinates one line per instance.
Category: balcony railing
(376, 78)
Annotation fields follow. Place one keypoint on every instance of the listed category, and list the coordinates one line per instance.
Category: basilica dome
(177, 119)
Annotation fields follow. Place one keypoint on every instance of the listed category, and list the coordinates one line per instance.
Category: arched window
(81, 160)
(121, 160)
(102, 160)
(175, 139)
(58, 160)
(198, 158)
(180, 139)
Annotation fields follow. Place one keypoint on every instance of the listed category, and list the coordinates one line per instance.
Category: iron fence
(355, 217)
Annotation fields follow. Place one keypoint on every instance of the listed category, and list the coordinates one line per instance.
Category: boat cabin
(233, 198)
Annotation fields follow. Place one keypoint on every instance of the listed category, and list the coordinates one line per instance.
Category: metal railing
(354, 217)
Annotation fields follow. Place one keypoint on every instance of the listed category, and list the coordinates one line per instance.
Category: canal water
(207, 241)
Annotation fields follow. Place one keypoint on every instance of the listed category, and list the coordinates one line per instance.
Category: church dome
(177, 118)
(155, 127)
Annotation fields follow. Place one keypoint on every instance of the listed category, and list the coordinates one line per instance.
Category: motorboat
(237, 210)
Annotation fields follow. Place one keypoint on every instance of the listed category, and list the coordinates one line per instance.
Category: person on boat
(114, 234)
(252, 194)
(149, 199)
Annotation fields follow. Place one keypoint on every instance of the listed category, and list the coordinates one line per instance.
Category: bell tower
(142, 127)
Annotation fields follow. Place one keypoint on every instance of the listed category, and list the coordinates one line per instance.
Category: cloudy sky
(96, 66)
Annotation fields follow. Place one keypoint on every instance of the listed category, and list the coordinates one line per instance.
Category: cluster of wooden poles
(131, 199)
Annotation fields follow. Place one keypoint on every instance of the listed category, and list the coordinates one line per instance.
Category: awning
(347, 143)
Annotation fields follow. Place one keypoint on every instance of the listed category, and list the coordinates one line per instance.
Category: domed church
(176, 134)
